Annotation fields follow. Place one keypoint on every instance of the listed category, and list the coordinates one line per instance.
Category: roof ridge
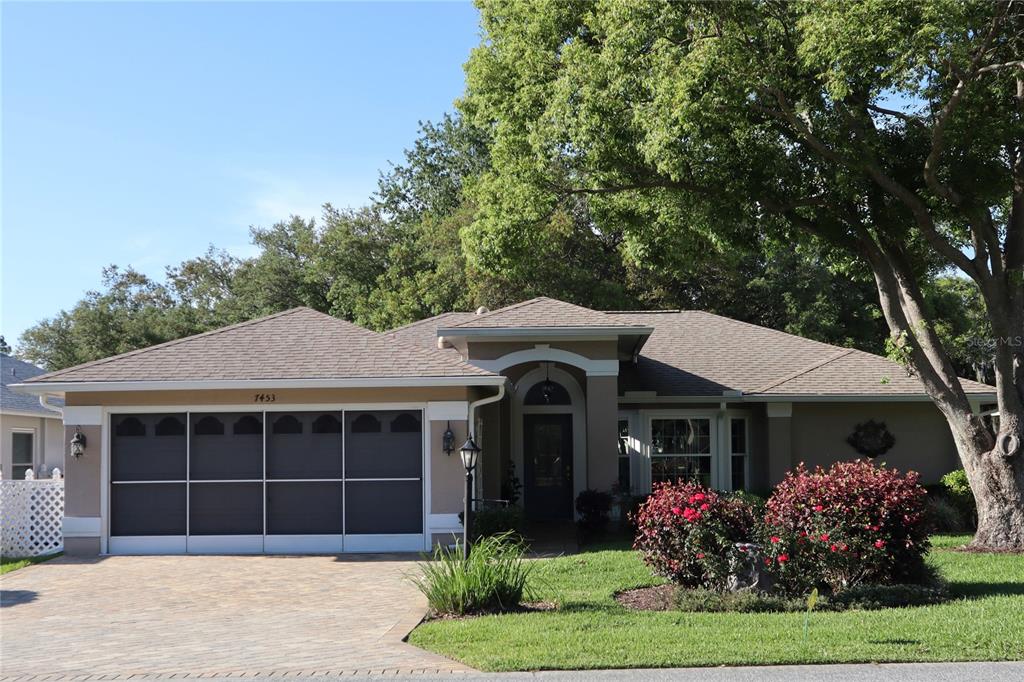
(513, 306)
(410, 325)
(172, 342)
(644, 312)
(813, 366)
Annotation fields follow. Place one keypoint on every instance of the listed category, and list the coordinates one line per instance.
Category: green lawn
(590, 630)
(8, 564)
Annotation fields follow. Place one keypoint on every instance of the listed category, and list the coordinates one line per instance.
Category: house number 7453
(264, 398)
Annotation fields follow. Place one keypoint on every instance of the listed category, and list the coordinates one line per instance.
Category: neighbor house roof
(297, 344)
(543, 312)
(15, 371)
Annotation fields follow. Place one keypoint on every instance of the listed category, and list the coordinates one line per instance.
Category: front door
(547, 453)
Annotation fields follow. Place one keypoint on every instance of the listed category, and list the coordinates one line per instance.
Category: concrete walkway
(213, 615)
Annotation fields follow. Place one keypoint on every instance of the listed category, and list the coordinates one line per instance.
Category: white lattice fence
(30, 517)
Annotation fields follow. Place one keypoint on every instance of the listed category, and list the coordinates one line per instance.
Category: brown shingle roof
(693, 353)
(542, 312)
(295, 344)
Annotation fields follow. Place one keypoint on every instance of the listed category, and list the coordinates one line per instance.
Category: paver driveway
(211, 614)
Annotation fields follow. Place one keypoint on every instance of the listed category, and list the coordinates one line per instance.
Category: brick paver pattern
(189, 615)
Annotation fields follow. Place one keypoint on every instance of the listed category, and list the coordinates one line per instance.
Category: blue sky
(139, 133)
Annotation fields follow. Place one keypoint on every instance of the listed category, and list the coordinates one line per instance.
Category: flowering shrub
(854, 523)
(686, 533)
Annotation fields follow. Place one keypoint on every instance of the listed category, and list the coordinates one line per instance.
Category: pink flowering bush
(851, 524)
(686, 533)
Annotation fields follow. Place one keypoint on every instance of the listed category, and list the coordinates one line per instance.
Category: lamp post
(470, 452)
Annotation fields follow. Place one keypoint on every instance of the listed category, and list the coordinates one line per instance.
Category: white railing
(31, 513)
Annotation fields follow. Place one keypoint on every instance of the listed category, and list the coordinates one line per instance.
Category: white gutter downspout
(43, 397)
(471, 428)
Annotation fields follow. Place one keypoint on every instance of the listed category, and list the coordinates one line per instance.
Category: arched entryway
(549, 441)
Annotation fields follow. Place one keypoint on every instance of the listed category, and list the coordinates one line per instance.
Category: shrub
(851, 524)
(594, 508)
(712, 601)
(493, 578)
(862, 597)
(944, 516)
(958, 490)
(686, 533)
(492, 521)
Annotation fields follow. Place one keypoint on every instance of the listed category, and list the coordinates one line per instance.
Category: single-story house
(31, 432)
(300, 432)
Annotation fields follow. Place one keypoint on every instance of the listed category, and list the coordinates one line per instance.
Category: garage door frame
(280, 544)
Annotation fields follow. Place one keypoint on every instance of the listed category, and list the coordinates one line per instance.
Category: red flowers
(834, 547)
(824, 537)
(691, 514)
(677, 511)
(776, 539)
(705, 507)
(783, 558)
(880, 544)
(700, 555)
(819, 508)
(697, 497)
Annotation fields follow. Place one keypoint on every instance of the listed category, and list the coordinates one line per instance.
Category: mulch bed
(657, 598)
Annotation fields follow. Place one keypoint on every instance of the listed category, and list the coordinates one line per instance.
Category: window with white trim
(22, 449)
(625, 480)
(681, 449)
(738, 444)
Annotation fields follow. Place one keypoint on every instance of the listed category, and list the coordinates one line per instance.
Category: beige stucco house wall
(47, 434)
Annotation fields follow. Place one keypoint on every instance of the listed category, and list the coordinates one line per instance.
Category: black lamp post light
(470, 453)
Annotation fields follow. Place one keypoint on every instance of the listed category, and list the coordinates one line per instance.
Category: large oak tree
(892, 132)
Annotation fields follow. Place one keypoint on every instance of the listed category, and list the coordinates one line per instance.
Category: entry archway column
(602, 431)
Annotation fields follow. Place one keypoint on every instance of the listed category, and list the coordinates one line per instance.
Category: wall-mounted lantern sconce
(77, 444)
(448, 440)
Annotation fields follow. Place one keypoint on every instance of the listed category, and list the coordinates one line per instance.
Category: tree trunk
(998, 486)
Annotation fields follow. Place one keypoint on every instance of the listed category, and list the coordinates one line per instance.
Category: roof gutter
(43, 400)
(56, 387)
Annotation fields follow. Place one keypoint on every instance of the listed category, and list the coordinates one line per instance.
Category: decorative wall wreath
(871, 439)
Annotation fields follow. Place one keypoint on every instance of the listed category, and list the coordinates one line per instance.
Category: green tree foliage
(892, 132)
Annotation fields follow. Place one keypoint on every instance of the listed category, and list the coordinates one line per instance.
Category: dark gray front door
(547, 451)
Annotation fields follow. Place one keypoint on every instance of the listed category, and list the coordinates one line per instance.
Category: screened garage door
(267, 482)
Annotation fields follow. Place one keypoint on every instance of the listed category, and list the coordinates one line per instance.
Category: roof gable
(295, 344)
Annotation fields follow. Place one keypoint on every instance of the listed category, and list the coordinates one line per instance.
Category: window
(22, 446)
(738, 452)
(681, 449)
(547, 392)
(625, 484)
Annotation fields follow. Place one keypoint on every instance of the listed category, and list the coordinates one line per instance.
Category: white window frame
(648, 417)
(745, 416)
(34, 450)
(721, 446)
(634, 447)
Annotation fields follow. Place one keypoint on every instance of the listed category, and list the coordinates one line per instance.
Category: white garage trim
(147, 544)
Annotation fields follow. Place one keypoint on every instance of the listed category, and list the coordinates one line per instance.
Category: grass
(985, 622)
(7, 564)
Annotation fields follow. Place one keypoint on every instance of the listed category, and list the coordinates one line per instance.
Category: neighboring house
(299, 432)
(31, 436)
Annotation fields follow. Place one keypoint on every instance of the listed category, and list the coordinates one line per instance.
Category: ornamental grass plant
(493, 579)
